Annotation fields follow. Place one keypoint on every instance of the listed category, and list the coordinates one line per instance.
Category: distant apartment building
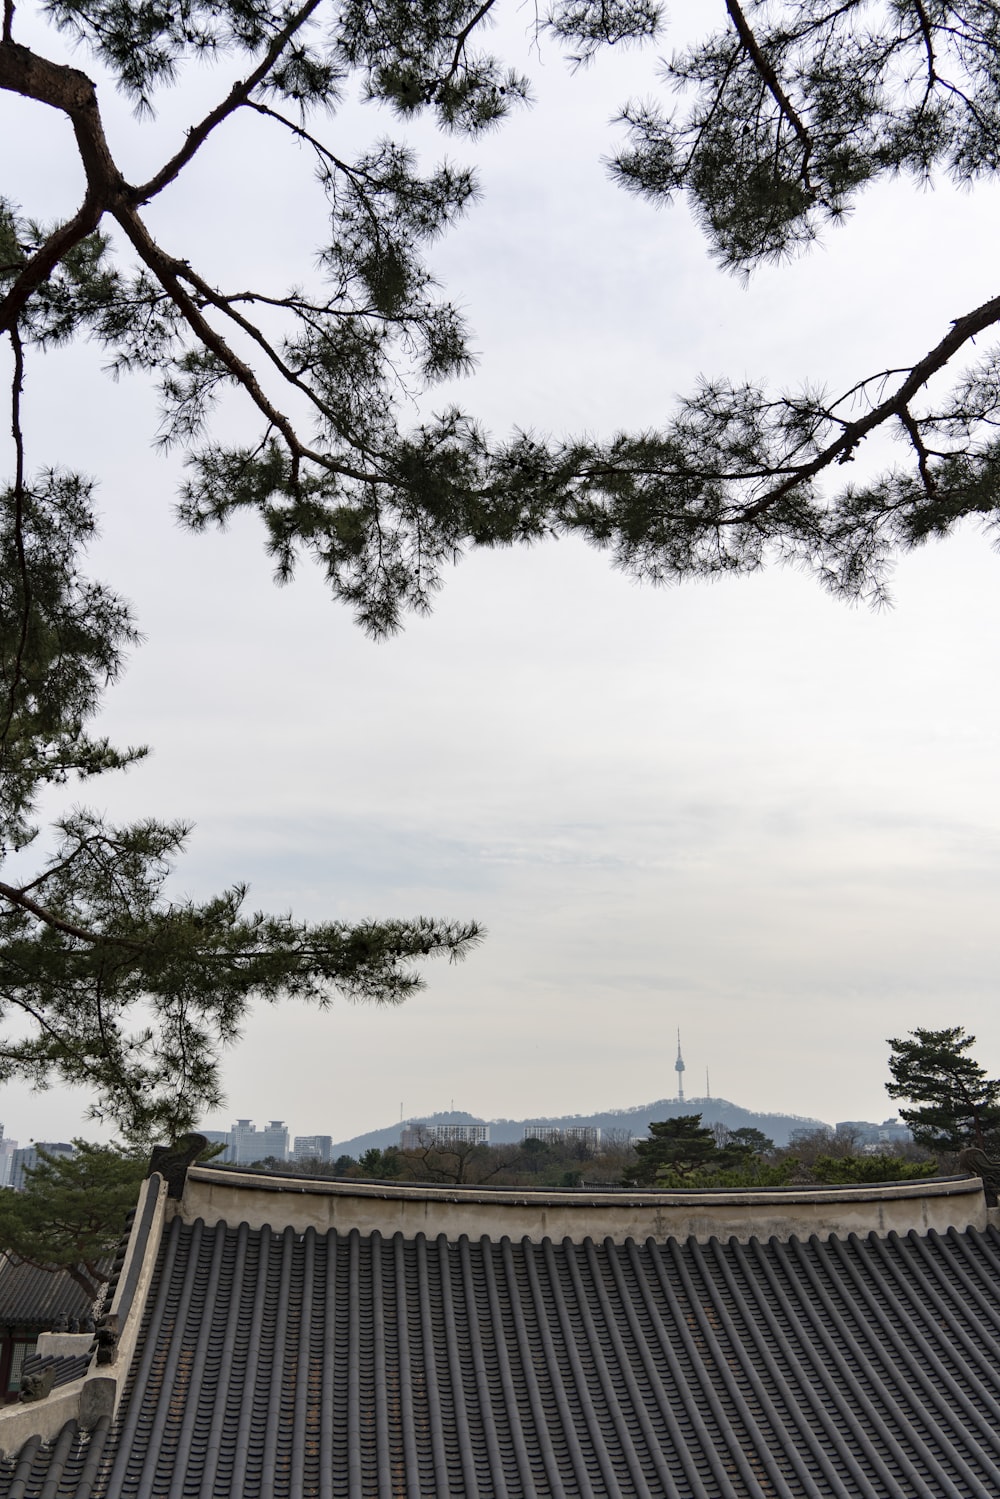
(874, 1138)
(217, 1137)
(247, 1143)
(576, 1134)
(894, 1132)
(808, 1134)
(23, 1160)
(7, 1149)
(313, 1147)
(418, 1136)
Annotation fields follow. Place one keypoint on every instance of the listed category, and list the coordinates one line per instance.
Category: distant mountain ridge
(777, 1127)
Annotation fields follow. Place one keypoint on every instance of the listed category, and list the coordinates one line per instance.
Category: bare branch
(323, 152)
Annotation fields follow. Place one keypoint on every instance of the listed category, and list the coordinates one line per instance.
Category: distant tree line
(530, 1162)
(683, 1153)
(679, 1152)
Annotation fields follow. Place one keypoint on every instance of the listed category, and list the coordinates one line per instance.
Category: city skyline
(249, 1140)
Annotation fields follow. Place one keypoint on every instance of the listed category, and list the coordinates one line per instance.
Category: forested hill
(635, 1121)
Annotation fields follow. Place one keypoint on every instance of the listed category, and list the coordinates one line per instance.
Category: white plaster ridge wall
(41, 1418)
(237, 1197)
(134, 1281)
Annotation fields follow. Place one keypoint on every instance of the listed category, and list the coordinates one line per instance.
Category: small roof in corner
(37, 1299)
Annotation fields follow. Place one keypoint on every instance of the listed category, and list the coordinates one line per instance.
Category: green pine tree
(955, 1104)
(753, 1141)
(72, 1211)
(677, 1151)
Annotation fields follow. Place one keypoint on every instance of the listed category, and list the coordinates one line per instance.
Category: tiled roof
(296, 1364)
(68, 1465)
(35, 1298)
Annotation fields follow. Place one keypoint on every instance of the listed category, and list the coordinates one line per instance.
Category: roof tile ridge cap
(59, 1394)
(825, 1192)
(272, 1182)
(445, 1191)
(39, 1421)
(152, 1190)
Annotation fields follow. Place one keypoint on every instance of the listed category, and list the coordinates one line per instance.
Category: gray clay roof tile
(33, 1297)
(296, 1364)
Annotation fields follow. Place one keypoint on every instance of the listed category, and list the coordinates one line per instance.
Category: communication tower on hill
(679, 1069)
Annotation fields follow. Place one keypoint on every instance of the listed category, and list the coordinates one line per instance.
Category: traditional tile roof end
(97, 1390)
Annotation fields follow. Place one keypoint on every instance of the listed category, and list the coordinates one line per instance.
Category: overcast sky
(741, 809)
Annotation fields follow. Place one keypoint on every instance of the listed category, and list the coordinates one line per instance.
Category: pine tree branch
(73, 93)
(238, 95)
(842, 449)
(53, 869)
(325, 155)
(770, 79)
(463, 37)
(919, 447)
(169, 273)
(925, 27)
(43, 1025)
(16, 389)
(49, 918)
(710, 114)
(225, 306)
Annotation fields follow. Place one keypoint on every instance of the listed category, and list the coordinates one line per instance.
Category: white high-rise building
(416, 1135)
(312, 1147)
(7, 1149)
(247, 1143)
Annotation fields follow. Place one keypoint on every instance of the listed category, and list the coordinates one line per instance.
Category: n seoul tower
(679, 1069)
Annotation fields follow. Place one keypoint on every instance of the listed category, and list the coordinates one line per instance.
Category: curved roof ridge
(941, 1203)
